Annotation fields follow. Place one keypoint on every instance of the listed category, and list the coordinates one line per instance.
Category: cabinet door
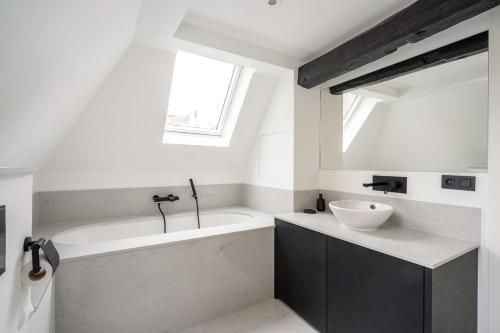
(300, 272)
(369, 292)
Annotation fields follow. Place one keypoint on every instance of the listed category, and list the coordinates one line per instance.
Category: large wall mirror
(435, 119)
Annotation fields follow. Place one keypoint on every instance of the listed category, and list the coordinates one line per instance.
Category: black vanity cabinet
(370, 292)
(339, 287)
(300, 272)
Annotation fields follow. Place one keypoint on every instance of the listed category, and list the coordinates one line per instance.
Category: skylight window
(202, 96)
(349, 99)
(357, 109)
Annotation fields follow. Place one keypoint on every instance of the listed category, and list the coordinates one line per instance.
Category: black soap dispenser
(320, 203)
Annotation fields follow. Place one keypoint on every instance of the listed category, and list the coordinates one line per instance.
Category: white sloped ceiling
(117, 140)
(54, 56)
(66, 65)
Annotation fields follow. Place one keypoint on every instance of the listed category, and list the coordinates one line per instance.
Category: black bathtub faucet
(157, 199)
(169, 197)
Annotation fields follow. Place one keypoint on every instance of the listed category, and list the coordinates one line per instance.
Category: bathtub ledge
(77, 252)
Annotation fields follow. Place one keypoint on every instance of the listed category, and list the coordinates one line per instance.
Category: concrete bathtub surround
(305, 199)
(156, 282)
(56, 207)
(195, 275)
(267, 199)
(165, 288)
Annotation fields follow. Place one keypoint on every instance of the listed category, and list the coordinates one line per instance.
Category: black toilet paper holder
(47, 248)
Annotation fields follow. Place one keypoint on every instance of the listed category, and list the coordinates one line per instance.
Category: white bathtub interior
(145, 226)
(122, 234)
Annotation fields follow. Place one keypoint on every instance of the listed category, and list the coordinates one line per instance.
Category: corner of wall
(493, 217)
(306, 138)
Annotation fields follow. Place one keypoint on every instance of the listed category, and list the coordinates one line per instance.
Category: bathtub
(162, 282)
(124, 234)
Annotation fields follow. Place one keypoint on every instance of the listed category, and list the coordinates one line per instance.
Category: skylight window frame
(356, 117)
(352, 109)
(225, 112)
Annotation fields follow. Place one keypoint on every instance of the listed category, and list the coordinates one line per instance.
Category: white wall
(270, 162)
(452, 121)
(422, 186)
(306, 138)
(117, 140)
(16, 195)
(493, 239)
(331, 130)
(55, 54)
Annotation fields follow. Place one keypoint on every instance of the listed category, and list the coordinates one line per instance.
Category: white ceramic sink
(361, 215)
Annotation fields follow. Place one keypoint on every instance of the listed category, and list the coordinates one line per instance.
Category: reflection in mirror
(435, 119)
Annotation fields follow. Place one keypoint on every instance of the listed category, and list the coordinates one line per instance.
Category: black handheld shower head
(195, 196)
(193, 188)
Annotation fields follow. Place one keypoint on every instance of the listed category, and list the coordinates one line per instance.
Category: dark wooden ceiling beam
(418, 21)
(464, 48)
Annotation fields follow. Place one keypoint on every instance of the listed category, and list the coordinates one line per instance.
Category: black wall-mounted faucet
(169, 197)
(157, 199)
(388, 184)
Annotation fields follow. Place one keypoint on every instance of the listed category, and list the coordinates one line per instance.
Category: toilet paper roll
(27, 307)
(41, 278)
(33, 285)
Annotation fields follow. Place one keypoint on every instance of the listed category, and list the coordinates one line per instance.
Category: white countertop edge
(467, 246)
(466, 250)
(13, 171)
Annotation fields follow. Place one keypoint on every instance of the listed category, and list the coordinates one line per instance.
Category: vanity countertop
(418, 247)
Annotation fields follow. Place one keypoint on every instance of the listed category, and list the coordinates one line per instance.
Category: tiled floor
(269, 317)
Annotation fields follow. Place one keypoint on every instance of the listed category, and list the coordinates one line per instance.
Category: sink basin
(361, 215)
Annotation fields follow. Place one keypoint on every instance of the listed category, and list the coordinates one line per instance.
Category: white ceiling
(297, 28)
(158, 20)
